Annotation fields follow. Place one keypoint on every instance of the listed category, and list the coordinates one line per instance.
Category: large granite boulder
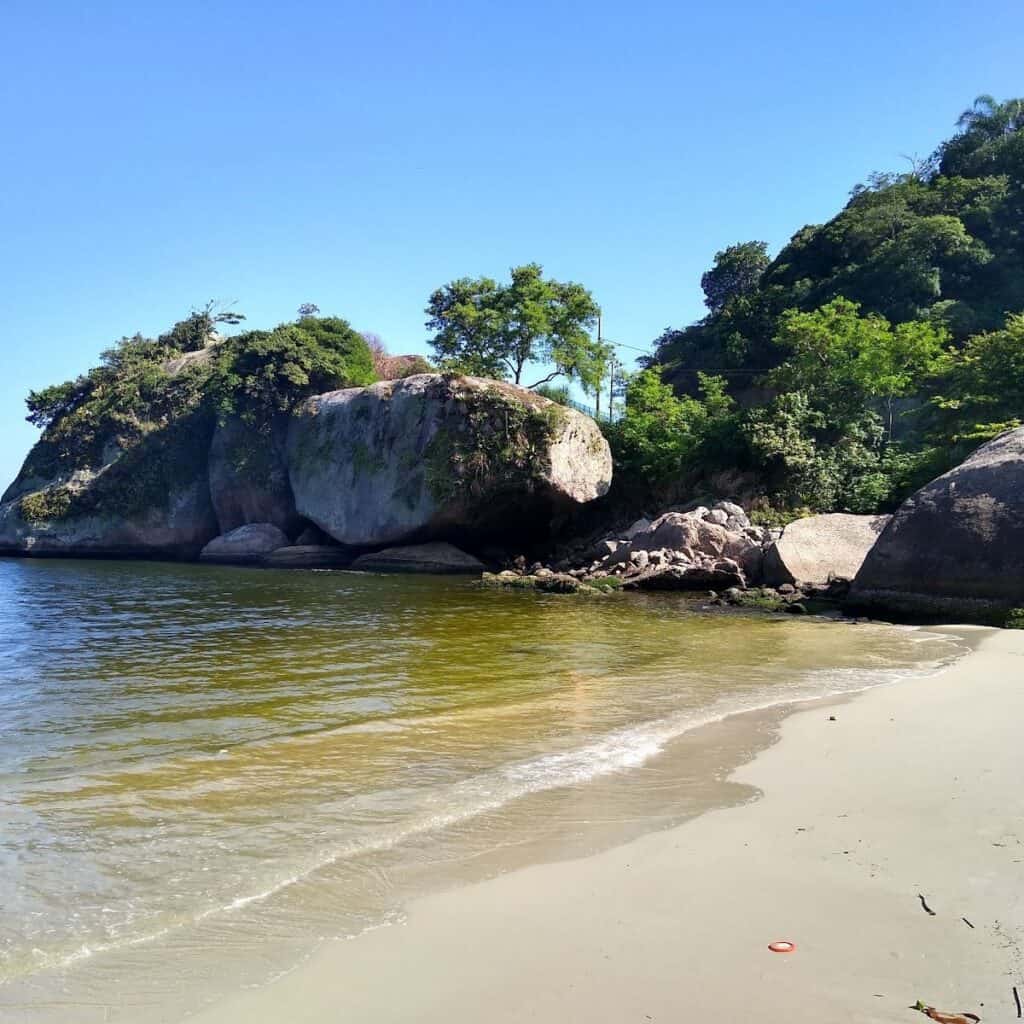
(245, 544)
(434, 456)
(249, 476)
(437, 558)
(955, 549)
(821, 548)
(151, 500)
(308, 556)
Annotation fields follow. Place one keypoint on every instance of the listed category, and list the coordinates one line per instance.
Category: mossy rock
(434, 456)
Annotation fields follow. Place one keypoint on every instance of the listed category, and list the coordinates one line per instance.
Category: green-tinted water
(203, 771)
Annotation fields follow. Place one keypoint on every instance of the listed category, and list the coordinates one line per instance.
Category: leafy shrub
(44, 506)
(261, 373)
(554, 392)
(659, 434)
(1015, 619)
(142, 420)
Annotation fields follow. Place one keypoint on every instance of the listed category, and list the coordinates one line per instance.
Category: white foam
(620, 750)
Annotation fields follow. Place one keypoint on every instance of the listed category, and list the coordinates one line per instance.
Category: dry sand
(916, 789)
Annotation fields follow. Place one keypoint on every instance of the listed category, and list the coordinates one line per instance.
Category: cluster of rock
(265, 545)
(409, 461)
(794, 598)
(717, 551)
(700, 549)
(382, 478)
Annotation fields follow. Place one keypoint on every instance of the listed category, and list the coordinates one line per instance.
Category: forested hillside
(871, 353)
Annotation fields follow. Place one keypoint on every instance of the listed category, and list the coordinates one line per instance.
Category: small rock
(640, 526)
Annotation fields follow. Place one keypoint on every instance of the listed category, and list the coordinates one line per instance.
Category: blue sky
(359, 155)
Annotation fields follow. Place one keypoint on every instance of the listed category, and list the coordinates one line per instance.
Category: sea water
(207, 771)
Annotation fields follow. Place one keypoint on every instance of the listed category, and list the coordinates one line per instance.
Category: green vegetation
(555, 392)
(500, 442)
(260, 373)
(494, 330)
(1014, 619)
(46, 505)
(130, 431)
(871, 354)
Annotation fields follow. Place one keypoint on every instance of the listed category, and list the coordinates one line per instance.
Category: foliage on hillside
(148, 394)
(873, 351)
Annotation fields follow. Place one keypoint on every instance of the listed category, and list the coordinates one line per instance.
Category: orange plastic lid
(782, 947)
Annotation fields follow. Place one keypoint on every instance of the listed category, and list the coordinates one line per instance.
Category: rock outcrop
(955, 549)
(821, 548)
(245, 544)
(432, 457)
(150, 501)
(249, 476)
(308, 556)
(438, 557)
(426, 458)
(694, 550)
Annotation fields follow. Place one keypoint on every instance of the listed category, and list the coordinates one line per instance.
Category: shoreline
(913, 793)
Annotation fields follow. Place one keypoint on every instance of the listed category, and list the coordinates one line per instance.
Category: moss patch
(366, 461)
(47, 506)
(145, 477)
(496, 442)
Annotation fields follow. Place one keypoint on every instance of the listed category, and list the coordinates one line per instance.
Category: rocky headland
(447, 473)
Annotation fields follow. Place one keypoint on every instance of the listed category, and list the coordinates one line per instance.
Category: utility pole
(597, 390)
(611, 388)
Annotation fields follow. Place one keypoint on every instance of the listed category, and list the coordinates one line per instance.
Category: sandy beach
(911, 796)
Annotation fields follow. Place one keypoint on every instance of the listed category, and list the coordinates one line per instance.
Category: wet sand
(913, 791)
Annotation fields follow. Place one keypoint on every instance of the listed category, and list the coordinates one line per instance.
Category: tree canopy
(145, 385)
(873, 351)
(736, 272)
(492, 329)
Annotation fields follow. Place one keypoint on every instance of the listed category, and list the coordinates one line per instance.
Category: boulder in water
(955, 549)
(245, 544)
(434, 455)
(821, 548)
(150, 500)
(438, 557)
(308, 556)
(249, 477)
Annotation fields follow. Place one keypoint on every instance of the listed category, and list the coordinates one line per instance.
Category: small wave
(620, 750)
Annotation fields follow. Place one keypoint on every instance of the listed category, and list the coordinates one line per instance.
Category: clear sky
(156, 155)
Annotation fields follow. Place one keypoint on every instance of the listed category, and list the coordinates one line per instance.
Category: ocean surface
(205, 771)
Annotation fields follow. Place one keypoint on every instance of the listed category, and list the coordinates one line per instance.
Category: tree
(843, 360)
(308, 309)
(495, 330)
(52, 403)
(990, 117)
(987, 134)
(736, 271)
(199, 328)
(983, 391)
(660, 435)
